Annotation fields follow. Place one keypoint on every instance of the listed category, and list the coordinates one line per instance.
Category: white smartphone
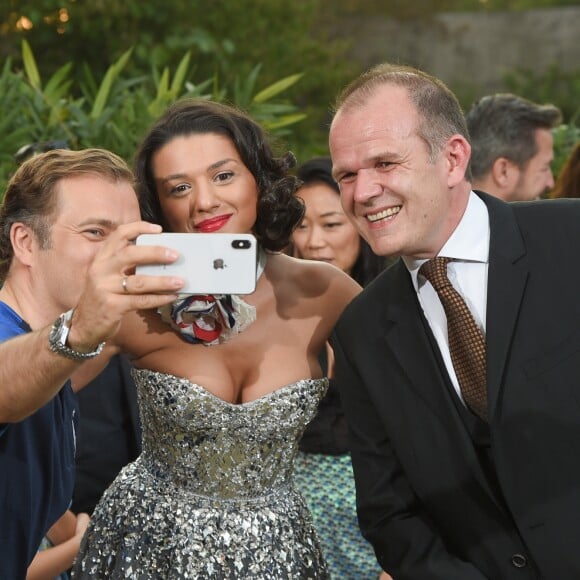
(209, 263)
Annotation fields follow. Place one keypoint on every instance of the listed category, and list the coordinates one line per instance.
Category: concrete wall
(476, 49)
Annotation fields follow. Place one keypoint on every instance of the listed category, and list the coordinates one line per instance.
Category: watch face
(59, 331)
(58, 336)
(62, 330)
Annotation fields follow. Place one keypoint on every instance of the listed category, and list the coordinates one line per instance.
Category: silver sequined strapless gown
(211, 495)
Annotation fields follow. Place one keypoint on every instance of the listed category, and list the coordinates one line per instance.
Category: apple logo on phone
(218, 264)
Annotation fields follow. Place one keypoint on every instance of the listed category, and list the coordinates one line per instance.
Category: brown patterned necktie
(466, 341)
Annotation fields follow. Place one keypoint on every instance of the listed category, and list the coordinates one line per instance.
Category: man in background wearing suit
(448, 489)
(512, 146)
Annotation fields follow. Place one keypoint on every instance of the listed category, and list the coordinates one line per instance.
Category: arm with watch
(35, 365)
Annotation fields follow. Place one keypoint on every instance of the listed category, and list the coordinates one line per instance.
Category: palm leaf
(30, 65)
(107, 83)
(179, 77)
(276, 88)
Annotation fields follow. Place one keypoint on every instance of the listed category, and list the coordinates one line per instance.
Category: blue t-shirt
(37, 467)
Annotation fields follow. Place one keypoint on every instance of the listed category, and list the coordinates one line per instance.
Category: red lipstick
(212, 224)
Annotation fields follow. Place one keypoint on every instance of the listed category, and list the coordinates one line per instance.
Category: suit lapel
(406, 333)
(507, 277)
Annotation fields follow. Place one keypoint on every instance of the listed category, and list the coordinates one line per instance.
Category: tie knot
(435, 271)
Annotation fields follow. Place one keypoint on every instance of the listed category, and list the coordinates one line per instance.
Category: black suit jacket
(424, 498)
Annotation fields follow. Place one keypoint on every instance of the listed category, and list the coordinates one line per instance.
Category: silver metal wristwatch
(58, 337)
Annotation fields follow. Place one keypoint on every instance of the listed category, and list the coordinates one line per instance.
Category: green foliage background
(103, 69)
(115, 112)
(226, 39)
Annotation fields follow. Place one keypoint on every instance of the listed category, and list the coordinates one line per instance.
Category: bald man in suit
(445, 492)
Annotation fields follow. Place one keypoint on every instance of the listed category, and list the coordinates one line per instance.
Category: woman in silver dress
(212, 494)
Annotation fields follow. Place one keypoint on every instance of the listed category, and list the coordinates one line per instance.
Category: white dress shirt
(469, 245)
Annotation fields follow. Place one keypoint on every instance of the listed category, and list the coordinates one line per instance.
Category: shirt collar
(469, 242)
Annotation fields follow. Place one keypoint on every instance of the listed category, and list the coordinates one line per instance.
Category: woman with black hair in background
(322, 468)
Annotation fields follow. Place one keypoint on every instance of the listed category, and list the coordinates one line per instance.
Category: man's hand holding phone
(216, 263)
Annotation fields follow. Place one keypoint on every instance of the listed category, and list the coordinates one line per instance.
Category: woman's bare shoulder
(311, 278)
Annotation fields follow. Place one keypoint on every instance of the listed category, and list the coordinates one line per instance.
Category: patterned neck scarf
(210, 319)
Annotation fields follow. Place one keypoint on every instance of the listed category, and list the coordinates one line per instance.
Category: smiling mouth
(213, 224)
(385, 214)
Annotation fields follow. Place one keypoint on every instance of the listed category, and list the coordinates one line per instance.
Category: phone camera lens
(241, 244)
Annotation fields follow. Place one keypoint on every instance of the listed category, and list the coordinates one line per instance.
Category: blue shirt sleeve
(11, 325)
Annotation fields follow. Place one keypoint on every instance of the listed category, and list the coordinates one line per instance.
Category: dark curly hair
(368, 265)
(279, 211)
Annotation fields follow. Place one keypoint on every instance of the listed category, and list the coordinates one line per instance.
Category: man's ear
(457, 152)
(504, 173)
(24, 242)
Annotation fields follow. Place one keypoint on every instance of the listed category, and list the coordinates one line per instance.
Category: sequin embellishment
(212, 494)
